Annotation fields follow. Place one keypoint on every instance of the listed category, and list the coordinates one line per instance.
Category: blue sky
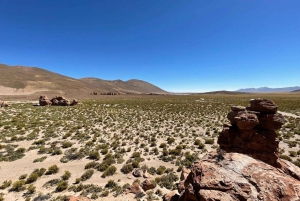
(180, 46)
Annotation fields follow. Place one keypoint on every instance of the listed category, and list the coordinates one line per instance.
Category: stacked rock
(57, 101)
(60, 101)
(252, 130)
(44, 100)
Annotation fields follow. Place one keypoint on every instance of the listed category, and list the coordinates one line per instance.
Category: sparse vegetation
(114, 135)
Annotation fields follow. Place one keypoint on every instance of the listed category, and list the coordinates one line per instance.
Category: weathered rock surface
(271, 121)
(147, 185)
(252, 131)
(137, 172)
(44, 100)
(147, 175)
(263, 105)
(171, 196)
(135, 188)
(60, 101)
(57, 101)
(235, 176)
(184, 173)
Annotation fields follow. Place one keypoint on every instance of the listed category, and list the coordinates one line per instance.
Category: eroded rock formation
(57, 101)
(249, 168)
(252, 130)
(235, 176)
(44, 100)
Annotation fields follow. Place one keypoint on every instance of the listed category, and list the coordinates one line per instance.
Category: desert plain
(107, 147)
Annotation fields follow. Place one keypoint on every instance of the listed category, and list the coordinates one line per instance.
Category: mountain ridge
(23, 80)
(268, 89)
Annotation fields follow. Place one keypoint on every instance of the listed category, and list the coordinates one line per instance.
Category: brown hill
(296, 91)
(119, 86)
(32, 81)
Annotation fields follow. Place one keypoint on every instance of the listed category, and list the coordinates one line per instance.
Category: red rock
(75, 102)
(137, 172)
(238, 108)
(238, 177)
(271, 121)
(246, 120)
(171, 196)
(44, 100)
(135, 188)
(263, 105)
(184, 173)
(147, 185)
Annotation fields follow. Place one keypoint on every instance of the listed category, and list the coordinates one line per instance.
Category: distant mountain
(119, 86)
(268, 90)
(21, 80)
(224, 92)
(296, 91)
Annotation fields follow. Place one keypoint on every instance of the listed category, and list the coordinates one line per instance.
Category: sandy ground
(13, 91)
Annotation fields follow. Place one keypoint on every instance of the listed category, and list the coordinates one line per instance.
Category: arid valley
(102, 148)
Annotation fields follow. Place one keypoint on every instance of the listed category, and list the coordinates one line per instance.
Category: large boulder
(44, 100)
(137, 172)
(147, 185)
(271, 121)
(262, 105)
(234, 176)
(252, 130)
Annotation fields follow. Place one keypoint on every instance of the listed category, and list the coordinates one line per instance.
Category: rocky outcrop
(57, 101)
(137, 172)
(231, 175)
(134, 188)
(44, 100)
(60, 101)
(147, 185)
(252, 131)
(3, 104)
(234, 176)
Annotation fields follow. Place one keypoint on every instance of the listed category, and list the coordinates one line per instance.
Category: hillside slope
(20, 80)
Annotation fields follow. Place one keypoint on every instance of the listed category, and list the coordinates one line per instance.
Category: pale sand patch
(14, 91)
(288, 114)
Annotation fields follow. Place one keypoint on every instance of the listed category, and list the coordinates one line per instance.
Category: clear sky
(178, 45)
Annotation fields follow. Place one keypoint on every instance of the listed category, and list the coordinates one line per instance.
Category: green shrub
(127, 168)
(31, 189)
(109, 171)
(209, 141)
(88, 174)
(66, 144)
(62, 185)
(285, 157)
(94, 155)
(92, 164)
(32, 178)
(52, 170)
(66, 175)
(5, 184)
(161, 170)
(105, 193)
(111, 184)
(18, 186)
(170, 140)
(40, 159)
(23, 176)
(293, 153)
